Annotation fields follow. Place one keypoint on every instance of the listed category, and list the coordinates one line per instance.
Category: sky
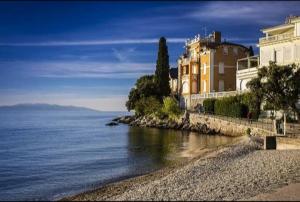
(91, 53)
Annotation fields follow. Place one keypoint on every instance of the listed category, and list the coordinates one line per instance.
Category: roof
(283, 26)
(174, 73)
(289, 22)
(215, 45)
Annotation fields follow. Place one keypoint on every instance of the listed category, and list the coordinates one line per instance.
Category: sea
(47, 154)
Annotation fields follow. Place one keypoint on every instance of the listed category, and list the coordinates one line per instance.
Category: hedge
(230, 106)
(209, 105)
(234, 106)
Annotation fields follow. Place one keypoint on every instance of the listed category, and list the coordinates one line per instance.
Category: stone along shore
(236, 172)
(153, 122)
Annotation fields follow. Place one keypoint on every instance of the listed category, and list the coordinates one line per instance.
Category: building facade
(280, 44)
(208, 66)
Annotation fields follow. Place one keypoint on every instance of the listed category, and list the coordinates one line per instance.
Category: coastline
(234, 172)
(118, 187)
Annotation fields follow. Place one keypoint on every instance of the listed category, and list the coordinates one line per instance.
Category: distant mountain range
(43, 107)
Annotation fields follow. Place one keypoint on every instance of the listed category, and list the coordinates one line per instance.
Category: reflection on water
(161, 147)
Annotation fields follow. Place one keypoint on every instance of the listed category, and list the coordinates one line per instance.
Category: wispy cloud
(123, 55)
(94, 42)
(80, 69)
(253, 12)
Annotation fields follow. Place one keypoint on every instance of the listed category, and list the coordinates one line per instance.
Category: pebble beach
(243, 171)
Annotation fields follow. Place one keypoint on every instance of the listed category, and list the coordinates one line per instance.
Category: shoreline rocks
(154, 122)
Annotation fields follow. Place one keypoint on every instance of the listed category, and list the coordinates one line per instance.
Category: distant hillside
(43, 107)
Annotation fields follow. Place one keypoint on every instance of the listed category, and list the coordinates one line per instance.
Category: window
(265, 56)
(297, 52)
(221, 85)
(235, 50)
(186, 70)
(194, 87)
(225, 50)
(185, 87)
(287, 51)
(204, 86)
(195, 69)
(278, 56)
(204, 68)
(221, 68)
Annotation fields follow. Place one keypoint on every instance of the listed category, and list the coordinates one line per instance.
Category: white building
(280, 44)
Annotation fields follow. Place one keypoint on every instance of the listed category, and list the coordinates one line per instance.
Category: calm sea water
(48, 154)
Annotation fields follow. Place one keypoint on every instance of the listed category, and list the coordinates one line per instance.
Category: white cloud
(94, 42)
(266, 13)
(81, 69)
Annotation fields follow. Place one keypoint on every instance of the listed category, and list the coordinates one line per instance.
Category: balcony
(216, 94)
(248, 63)
(276, 38)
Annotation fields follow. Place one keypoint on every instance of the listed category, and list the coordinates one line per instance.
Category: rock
(116, 119)
(112, 124)
(185, 126)
(126, 119)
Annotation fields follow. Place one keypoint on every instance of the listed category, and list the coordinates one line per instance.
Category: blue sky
(90, 53)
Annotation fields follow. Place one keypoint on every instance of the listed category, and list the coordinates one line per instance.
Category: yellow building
(207, 67)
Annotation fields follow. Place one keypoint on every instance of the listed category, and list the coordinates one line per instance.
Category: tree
(279, 86)
(162, 69)
(147, 106)
(255, 97)
(145, 86)
(251, 52)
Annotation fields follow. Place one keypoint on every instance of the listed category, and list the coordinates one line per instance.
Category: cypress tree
(162, 69)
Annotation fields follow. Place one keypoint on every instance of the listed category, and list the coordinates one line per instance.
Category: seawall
(226, 127)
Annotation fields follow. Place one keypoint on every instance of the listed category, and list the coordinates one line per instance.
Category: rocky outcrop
(154, 122)
(112, 123)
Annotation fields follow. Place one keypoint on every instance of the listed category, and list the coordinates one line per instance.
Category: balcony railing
(247, 63)
(216, 94)
(275, 38)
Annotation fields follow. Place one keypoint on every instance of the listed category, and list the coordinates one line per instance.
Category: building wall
(205, 74)
(229, 61)
(287, 52)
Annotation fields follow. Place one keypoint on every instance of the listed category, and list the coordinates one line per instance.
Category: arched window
(185, 87)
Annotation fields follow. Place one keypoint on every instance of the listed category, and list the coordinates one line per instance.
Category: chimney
(217, 36)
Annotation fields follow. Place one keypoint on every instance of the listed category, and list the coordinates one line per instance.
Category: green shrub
(230, 106)
(209, 105)
(147, 106)
(171, 107)
(248, 131)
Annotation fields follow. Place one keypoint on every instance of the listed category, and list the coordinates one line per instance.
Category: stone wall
(227, 127)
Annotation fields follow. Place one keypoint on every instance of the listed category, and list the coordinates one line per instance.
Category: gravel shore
(236, 172)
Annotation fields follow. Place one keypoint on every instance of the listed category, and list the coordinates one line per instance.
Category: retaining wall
(227, 127)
